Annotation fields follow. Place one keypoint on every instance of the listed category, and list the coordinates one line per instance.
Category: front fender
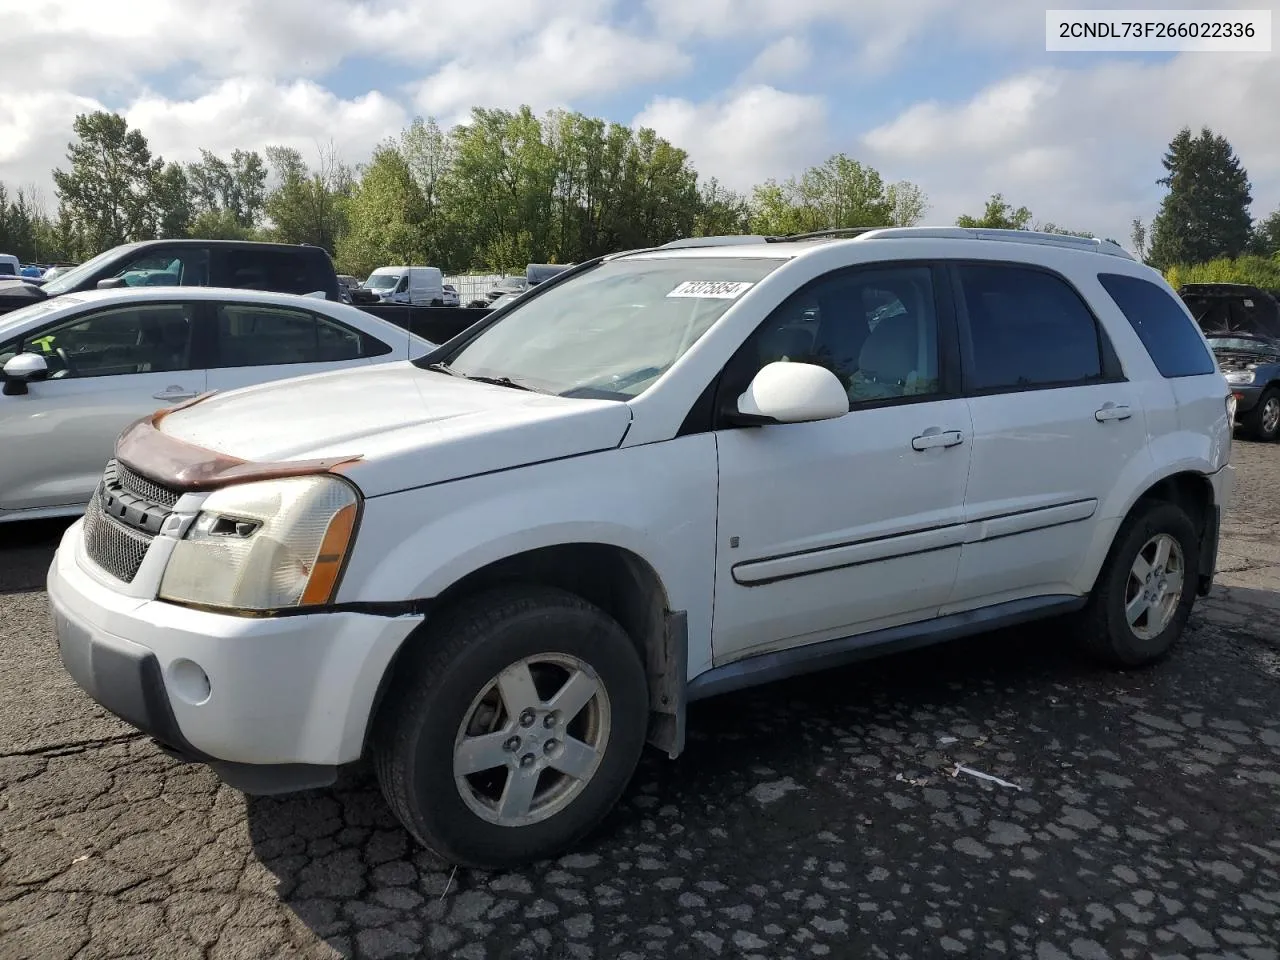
(657, 501)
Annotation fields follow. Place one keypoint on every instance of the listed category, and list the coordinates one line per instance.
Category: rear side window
(279, 271)
(1162, 325)
(1027, 329)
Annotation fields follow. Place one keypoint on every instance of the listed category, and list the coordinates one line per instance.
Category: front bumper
(272, 704)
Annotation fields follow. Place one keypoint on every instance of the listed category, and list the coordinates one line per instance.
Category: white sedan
(79, 368)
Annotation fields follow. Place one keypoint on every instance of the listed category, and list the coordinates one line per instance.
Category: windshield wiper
(499, 381)
(496, 381)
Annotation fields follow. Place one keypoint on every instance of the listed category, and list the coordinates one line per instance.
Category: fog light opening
(189, 682)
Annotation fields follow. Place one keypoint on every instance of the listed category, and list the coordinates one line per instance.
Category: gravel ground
(1135, 814)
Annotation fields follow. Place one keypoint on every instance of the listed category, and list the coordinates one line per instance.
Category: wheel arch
(620, 582)
(1193, 492)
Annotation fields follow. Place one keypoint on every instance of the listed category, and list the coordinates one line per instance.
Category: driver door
(840, 527)
(107, 368)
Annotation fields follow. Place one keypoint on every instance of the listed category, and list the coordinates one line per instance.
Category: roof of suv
(785, 248)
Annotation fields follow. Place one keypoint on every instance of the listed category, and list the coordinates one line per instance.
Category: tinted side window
(1161, 324)
(6, 269)
(255, 336)
(281, 271)
(1027, 328)
(150, 338)
(877, 330)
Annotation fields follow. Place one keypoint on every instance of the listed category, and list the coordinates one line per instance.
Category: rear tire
(1144, 594)
(479, 694)
(1263, 421)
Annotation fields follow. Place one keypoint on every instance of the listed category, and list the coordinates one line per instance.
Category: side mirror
(111, 283)
(785, 392)
(21, 370)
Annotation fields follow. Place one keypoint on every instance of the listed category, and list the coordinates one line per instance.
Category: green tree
(108, 192)
(1138, 236)
(842, 192)
(1205, 214)
(1266, 236)
(308, 206)
(721, 211)
(219, 225)
(1259, 271)
(998, 215)
(386, 216)
(238, 185)
(172, 198)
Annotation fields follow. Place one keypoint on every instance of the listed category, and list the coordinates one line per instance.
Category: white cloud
(564, 61)
(250, 113)
(35, 129)
(782, 58)
(1082, 147)
(758, 133)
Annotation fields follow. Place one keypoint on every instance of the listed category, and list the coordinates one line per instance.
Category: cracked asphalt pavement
(1133, 814)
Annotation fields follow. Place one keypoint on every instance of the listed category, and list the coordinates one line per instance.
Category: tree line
(509, 188)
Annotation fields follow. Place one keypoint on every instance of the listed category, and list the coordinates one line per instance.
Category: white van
(10, 268)
(417, 285)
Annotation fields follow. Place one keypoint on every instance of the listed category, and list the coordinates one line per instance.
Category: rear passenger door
(256, 343)
(1055, 424)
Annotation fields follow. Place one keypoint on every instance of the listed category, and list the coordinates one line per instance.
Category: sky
(957, 96)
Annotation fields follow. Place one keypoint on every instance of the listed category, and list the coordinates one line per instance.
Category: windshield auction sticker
(712, 289)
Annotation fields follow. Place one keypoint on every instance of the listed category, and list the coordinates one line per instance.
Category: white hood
(410, 427)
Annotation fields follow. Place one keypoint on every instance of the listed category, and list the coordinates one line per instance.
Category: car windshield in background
(383, 281)
(67, 281)
(611, 332)
(1245, 345)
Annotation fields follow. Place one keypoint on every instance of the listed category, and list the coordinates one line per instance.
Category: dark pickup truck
(279, 267)
(1242, 325)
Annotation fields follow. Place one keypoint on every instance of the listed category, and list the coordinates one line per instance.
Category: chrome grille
(110, 544)
(138, 485)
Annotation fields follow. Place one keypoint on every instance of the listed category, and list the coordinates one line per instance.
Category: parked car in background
(451, 298)
(507, 285)
(1251, 365)
(9, 265)
(56, 271)
(1242, 325)
(536, 273)
(493, 571)
(419, 286)
(244, 265)
(77, 369)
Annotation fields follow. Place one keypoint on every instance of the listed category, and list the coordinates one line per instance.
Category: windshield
(610, 332)
(382, 281)
(1244, 345)
(16, 319)
(69, 280)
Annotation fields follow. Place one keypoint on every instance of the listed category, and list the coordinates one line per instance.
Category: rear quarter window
(1169, 334)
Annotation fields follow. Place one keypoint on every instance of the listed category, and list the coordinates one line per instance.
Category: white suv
(662, 475)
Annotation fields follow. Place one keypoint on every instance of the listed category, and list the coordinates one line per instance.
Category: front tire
(1146, 589)
(513, 728)
(1263, 421)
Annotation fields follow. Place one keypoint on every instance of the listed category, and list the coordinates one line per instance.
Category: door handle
(1112, 411)
(933, 437)
(174, 393)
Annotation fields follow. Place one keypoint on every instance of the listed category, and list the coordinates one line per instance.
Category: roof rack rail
(720, 241)
(822, 234)
(1094, 244)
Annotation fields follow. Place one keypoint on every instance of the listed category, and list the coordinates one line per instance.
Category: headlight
(265, 546)
(1240, 376)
